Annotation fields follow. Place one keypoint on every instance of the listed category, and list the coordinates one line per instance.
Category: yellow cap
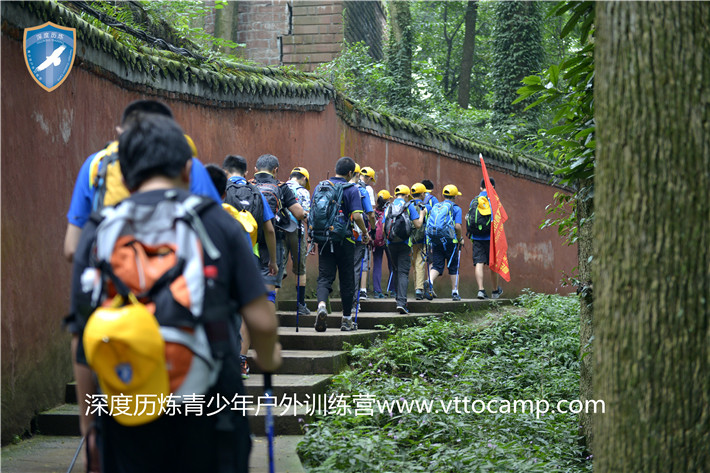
(303, 171)
(451, 191)
(192, 145)
(401, 190)
(385, 194)
(418, 188)
(484, 206)
(369, 172)
(357, 168)
(125, 349)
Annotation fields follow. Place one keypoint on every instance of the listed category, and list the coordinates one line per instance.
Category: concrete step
(308, 339)
(365, 320)
(64, 420)
(306, 362)
(437, 306)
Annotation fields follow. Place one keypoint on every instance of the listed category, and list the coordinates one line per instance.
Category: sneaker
(363, 294)
(419, 295)
(402, 309)
(497, 293)
(455, 296)
(379, 295)
(428, 292)
(482, 294)
(244, 365)
(347, 325)
(321, 319)
(303, 309)
(393, 294)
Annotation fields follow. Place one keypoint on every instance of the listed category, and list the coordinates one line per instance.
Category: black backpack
(327, 222)
(419, 234)
(478, 224)
(274, 196)
(247, 197)
(398, 225)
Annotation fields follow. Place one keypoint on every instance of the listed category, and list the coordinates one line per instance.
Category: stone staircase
(310, 359)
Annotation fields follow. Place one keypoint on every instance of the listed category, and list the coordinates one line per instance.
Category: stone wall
(249, 111)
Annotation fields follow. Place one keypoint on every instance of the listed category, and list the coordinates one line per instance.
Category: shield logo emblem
(49, 53)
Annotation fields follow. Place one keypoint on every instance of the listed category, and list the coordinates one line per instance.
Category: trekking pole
(298, 275)
(76, 455)
(357, 304)
(268, 393)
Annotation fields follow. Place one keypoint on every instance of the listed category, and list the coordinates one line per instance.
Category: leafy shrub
(527, 352)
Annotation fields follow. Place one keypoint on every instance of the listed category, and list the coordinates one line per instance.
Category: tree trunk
(585, 250)
(469, 45)
(652, 228)
(399, 55)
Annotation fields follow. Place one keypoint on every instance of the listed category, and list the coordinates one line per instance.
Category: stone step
(332, 339)
(306, 362)
(284, 384)
(64, 420)
(365, 320)
(437, 306)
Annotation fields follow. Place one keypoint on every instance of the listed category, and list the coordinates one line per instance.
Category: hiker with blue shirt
(445, 239)
(400, 219)
(419, 241)
(362, 255)
(480, 208)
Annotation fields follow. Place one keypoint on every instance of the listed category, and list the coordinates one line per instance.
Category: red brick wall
(260, 25)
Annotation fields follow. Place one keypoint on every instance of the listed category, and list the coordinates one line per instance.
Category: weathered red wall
(47, 136)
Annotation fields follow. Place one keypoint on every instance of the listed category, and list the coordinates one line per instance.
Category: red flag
(498, 259)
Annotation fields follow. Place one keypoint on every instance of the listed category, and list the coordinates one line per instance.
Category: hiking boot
(379, 295)
(321, 319)
(363, 294)
(347, 325)
(455, 296)
(402, 309)
(419, 295)
(497, 293)
(303, 309)
(482, 294)
(244, 366)
(428, 292)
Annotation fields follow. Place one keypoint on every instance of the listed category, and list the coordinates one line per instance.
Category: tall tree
(469, 46)
(399, 56)
(652, 274)
(518, 52)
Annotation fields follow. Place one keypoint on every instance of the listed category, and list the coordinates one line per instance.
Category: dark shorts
(443, 255)
(291, 248)
(280, 262)
(481, 250)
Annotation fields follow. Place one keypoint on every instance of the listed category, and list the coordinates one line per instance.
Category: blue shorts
(443, 255)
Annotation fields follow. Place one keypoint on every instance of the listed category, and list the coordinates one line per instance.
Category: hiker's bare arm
(270, 237)
(260, 319)
(360, 222)
(297, 211)
(459, 235)
(71, 240)
(418, 222)
(371, 217)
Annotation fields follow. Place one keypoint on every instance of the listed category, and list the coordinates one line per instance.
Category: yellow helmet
(401, 190)
(357, 168)
(385, 194)
(418, 188)
(369, 172)
(451, 191)
(193, 148)
(303, 171)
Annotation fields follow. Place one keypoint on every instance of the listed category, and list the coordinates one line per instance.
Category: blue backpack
(327, 222)
(440, 223)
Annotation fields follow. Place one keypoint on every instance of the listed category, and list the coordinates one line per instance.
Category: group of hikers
(169, 293)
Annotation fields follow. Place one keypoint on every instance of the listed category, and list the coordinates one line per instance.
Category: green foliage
(528, 352)
(568, 90)
(517, 52)
(398, 58)
(180, 23)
